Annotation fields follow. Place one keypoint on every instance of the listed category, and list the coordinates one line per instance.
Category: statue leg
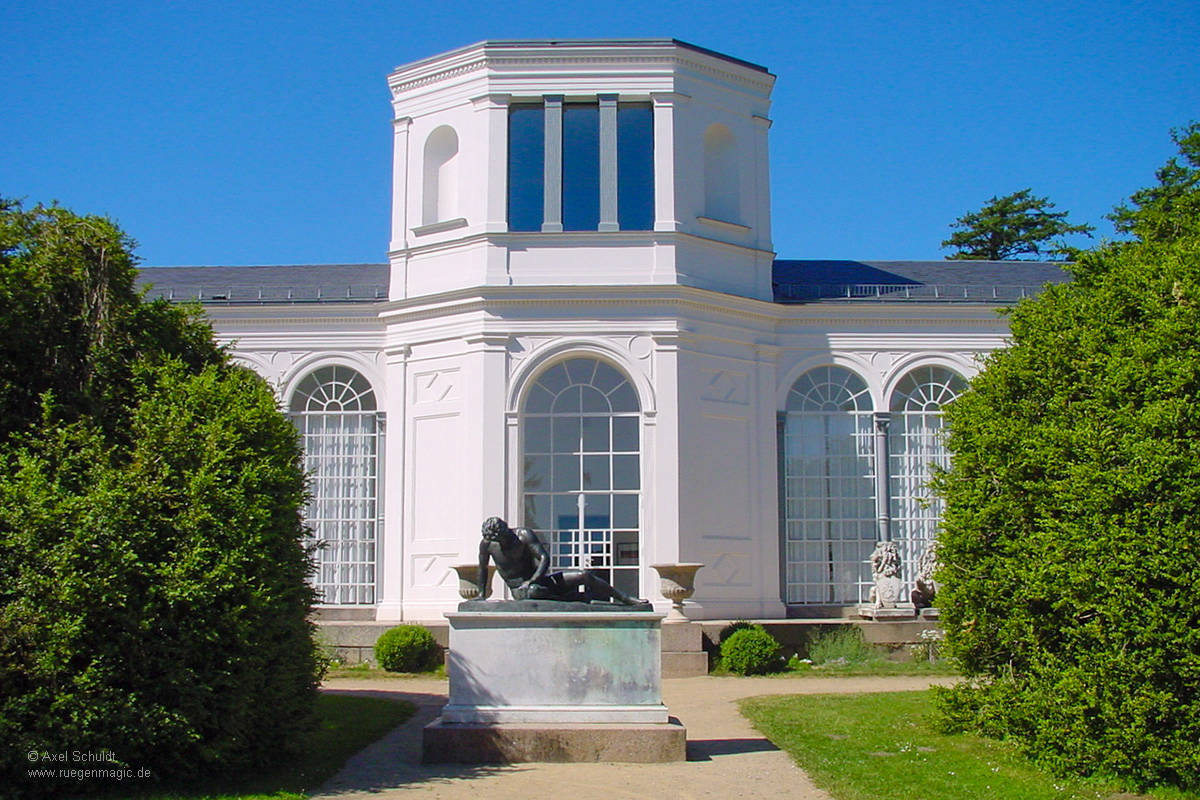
(596, 588)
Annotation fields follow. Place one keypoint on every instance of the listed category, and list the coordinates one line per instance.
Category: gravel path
(726, 757)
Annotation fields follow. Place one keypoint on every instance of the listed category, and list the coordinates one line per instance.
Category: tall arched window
(722, 189)
(829, 488)
(439, 198)
(335, 412)
(914, 445)
(582, 468)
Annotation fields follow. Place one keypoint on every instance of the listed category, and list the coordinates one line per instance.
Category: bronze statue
(524, 564)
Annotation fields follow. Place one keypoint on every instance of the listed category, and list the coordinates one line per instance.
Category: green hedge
(750, 651)
(407, 648)
(1069, 543)
(153, 600)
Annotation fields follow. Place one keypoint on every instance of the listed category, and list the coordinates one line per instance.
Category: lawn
(867, 746)
(347, 725)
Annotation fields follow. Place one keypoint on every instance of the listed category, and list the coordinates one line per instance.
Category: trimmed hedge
(750, 651)
(407, 648)
(1070, 574)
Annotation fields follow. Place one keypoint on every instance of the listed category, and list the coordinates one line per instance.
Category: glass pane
(537, 511)
(625, 472)
(593, 402)
(567, 401)
(595, 472)
(537, 473)
(597, 515)
(635, 166)
(581, 370)
(595, 434)
(566, 473)
(554, 379)
(526, 166)
(625, 434)
(581, 166)
(606, 378)
(566, 512)
(539, 400)
(566, 434)
(537, 435)
(625, 511)
(624, 399)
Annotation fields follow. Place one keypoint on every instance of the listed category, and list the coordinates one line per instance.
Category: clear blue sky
(259, 132)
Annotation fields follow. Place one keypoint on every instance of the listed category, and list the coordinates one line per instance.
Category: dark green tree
(1018, 226)
(1165, 211)
(72, 322)
(1069, 541)
(153, 592)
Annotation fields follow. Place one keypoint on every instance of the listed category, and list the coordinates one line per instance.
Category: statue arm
(485, 555)
(540, 556)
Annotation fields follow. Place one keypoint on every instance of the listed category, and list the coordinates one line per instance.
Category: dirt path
(727, 758)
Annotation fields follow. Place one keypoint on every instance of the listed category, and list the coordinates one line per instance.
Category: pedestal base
(513, 742)
(896, 612)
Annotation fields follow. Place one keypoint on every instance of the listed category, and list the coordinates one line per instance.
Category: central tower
(616, 162)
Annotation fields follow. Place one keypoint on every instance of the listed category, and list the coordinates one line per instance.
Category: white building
(582, 327)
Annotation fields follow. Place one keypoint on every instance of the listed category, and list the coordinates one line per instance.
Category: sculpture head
(886, 559)
(495, 528)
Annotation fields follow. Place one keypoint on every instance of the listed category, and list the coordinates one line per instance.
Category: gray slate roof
(300, 283)
(811, 281)
(795, 281)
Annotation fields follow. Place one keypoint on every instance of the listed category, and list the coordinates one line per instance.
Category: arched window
(334, 410)
(914, 445)
(829, 488)
(439, 197)
(580, 428)
(722, 188)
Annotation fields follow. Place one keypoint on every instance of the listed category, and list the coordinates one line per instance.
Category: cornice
(655, 58)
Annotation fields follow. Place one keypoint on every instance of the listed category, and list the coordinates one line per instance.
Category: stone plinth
(583, 685)
(555, 667)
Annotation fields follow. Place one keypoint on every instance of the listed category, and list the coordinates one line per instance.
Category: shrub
(750, 651)
(153, 599)
(841, 645)
(1068, 543)
(407, 648)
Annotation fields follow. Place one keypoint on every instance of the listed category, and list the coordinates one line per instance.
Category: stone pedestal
(554, 686)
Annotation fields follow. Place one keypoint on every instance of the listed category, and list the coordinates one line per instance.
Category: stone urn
(677, 582)
(467, 588)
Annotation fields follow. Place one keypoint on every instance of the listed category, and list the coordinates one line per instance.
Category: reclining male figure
(523, 563)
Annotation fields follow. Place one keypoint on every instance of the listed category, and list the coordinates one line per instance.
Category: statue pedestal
(554, 686)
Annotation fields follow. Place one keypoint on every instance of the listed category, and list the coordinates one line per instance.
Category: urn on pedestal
(677, 582)
(467, 588)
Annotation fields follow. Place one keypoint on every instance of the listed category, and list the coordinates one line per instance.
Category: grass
(842, 652)
(866, 746)
(347, 725)
(367, 671)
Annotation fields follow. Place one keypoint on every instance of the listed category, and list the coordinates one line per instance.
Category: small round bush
(407, 648)
(750, 651)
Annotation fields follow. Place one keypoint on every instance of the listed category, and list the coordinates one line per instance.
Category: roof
(297, 283)
(795, 281)
(811, 281)
(649, 42)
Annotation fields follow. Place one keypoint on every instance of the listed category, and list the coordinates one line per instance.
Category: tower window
(581, 151)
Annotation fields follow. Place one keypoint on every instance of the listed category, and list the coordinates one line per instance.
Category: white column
(552, 177)
(608, 162)
(664, 160)
(494, 107)
(390, 538)
(883, 511)
(400, 128)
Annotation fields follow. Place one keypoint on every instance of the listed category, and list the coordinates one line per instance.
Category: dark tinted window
(581, 166)
(635, 166)
(526, 159)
